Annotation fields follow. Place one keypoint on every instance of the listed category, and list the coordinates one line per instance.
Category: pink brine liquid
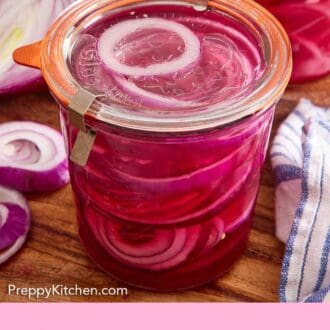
(168, 211)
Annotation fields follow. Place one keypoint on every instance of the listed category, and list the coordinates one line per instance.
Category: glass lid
(167, 65)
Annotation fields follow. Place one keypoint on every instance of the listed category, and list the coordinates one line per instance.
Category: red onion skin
(13, 228)
(32, 181)
(37, 85)
(16, 237)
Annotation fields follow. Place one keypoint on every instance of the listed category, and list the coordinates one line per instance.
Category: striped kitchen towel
(300, 158)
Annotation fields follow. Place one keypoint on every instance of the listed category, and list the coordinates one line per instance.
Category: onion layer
(112, 37)
(153, 98)
(32, 157)
(14, 222)
(158, 249)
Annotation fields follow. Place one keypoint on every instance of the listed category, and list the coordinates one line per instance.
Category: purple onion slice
(14, 222)
(32, 157)
(153, 98)
(213, 198)
(110, 49)
(160, 249)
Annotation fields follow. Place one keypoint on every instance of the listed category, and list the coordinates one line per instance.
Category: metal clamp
(83, 145)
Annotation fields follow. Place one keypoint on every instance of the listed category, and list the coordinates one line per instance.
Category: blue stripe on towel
(324, 125)
(281, 154)
(298, 114)
(302, 272)
(293, 142)
(286, 172)
(318, 296)
(294, 230)
(324, 262)
(291, 128)
(281, 145)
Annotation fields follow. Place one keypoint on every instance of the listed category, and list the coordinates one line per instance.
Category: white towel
(300, 158)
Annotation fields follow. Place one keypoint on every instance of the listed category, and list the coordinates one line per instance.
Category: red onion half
(14, 222)
(32, 157)
(307, 23)
(23, 22)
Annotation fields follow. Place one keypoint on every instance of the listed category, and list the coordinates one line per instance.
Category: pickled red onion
(217, 200)
(112, 36)
(182, 256)
(170, 250)
(14, 222)
(167, 248)
(153, 98)
(32, 157)
(160, 241)
(246, 203)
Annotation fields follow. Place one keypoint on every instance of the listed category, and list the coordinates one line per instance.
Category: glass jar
(165, 167)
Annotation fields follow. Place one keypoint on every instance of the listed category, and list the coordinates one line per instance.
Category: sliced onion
(219, 55)
(153, 98)
(166, 251)
(193, 185)
(166, 248)
(14, 222)
(23, 22)
(32, 157)
(200, 178)
(240, 210)
(160, 241)
(183, 255)
(112, 36)
(210, 200)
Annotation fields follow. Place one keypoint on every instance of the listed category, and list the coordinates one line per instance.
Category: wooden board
(53, 254)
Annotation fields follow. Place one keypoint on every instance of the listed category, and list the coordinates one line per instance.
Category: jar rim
(269, 90)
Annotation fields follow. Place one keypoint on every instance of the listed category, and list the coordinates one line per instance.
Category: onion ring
(32, 157)
(112, 36)
(14, 222)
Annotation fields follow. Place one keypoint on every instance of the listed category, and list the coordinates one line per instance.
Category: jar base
(191, 274)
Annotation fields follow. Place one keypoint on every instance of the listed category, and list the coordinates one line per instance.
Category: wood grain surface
(53, 254)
